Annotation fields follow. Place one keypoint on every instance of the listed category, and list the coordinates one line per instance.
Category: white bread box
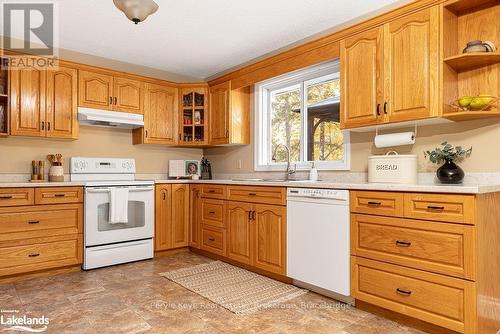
(392, 168)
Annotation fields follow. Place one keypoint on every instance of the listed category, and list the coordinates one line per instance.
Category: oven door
(98, 229)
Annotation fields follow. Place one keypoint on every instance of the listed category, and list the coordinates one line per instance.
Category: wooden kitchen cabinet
(61, 103)
(163, 217)
(240, 231)
(193, 115)
(44, 102)
(195, 215)
(229, 114)
(391, 73)
(180, 215)
(160, 116)
(107, 92)
(171, 216)
(27, 102)
(270, 238)
(362, 87)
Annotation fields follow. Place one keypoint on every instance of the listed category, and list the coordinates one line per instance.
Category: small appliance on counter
(392, 168)
(183, 169)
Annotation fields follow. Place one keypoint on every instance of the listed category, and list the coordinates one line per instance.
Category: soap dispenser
(313, 173)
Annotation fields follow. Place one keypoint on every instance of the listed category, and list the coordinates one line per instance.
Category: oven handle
(107, 190)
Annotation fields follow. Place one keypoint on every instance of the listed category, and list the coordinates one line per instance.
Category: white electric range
(107, 244)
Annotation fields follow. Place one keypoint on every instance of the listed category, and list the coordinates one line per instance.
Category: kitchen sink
(272, 180)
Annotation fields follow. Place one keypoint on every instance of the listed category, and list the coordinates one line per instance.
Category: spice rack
(194, 116)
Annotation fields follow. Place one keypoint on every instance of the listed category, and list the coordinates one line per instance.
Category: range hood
(106, 118)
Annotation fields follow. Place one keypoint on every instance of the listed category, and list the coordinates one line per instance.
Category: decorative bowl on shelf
(475, 103)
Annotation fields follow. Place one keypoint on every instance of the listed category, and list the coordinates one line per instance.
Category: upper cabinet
(103, 91)
(229, 115)
(391, 73)
(43, 102)
(160, 116)
(193, 116)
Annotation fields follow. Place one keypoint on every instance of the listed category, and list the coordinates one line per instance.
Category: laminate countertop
(424, 187)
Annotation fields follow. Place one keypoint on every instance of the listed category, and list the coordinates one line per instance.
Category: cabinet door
(239, 234)
(95, 90)
(219, 99)
(128, 95)
(163, 217)
(362, 86)
(61, 103)
(270, 238)
(160, 115)
(180, 215)
(27, 109)
(195, 215)
(412, 66)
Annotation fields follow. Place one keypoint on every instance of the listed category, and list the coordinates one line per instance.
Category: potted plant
(449, 172)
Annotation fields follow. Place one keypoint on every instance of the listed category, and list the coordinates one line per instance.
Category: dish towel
(118, 206)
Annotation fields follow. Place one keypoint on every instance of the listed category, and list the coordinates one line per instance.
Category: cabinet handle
(48, 126)
(7, 197)
(34, 255)
(116, 100)
(146, 133)
(110, 100)
(252, 194)
(249, 215)
(227, 133)
(403, 243)
(164, 196)
(254, 215)
(376, 204)
(403, 292)
(378, 109)
(385, 108)
(43, 125)
(211, 191)
(212, 212)
(211, 239)
(34, 222)
(438, 208)
(59, 195)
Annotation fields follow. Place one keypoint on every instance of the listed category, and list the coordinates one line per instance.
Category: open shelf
(464, 6)
(470, 115)
(470, 61)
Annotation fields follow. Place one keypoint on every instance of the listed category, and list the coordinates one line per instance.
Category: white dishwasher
(318, 240)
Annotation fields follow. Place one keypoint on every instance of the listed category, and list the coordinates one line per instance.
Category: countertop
(426, 187)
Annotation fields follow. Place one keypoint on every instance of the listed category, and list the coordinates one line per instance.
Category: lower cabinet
(171, 216)
(195, 215)
(240, 232)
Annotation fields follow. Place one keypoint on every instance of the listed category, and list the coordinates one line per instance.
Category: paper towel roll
(395, 139)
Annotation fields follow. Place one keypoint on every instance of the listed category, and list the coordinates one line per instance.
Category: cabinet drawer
(377, 203)
(213, 240)
(438, 247)
(26, 258)
(16, 196)
(58, 195)
(444, 301)
(216, 191)
(440, 207)
(263, 195)
(20, 223)
(212, 212)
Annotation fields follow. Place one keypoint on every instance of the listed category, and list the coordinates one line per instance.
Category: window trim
(262, 130)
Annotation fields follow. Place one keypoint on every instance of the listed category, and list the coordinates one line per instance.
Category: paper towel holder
(415, 131)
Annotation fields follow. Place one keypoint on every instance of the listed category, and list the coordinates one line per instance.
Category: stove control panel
(102, 166)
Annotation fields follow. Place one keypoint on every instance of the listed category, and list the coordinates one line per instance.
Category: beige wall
(482, 135)
(17, 153)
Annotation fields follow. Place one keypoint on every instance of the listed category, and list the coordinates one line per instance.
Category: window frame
(262, 131)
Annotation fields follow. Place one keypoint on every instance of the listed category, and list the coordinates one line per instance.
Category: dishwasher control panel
(334, 194)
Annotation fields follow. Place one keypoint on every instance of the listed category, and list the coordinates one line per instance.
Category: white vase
(56, 174)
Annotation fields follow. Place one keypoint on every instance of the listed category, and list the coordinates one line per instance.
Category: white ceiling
(200, 38)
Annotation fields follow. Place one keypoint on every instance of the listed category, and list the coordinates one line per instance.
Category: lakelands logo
(23, 323)
(28, 30)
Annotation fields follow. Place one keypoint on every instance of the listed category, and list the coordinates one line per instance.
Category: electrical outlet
(238, 164)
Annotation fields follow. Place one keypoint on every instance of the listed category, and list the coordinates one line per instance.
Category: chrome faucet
(289, 171)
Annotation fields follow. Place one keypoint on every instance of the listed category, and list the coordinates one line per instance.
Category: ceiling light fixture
(136, 10)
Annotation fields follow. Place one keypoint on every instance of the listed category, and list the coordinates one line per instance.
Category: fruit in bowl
(481, 101)
(465, 101)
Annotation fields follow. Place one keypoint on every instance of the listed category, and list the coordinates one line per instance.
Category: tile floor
(133, 298)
